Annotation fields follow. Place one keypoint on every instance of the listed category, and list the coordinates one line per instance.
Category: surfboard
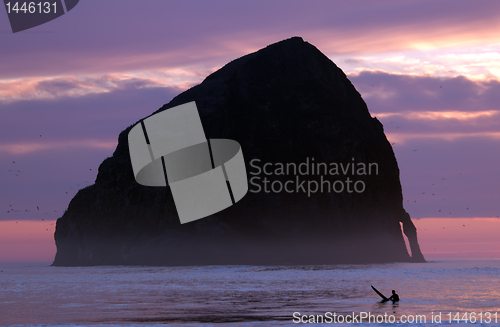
(384, 299)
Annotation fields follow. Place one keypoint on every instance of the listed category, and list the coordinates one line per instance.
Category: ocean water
(37, 295)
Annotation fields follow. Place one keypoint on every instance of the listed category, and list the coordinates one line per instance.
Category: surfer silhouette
(394, 297)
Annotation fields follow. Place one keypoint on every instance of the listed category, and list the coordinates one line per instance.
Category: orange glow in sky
(27, 241)
(439, 238)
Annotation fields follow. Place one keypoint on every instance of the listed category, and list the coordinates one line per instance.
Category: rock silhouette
(284, 103)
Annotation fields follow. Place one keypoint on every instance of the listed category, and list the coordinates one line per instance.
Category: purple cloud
(120, 35)
(98, 116)
(425, 104)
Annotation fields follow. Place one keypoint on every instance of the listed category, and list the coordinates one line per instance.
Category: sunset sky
(428, 70)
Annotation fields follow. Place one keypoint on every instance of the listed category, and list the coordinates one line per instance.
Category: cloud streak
(25, 148)
(402, 138)
(479, 62)
(441, 115)
(53, 88)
